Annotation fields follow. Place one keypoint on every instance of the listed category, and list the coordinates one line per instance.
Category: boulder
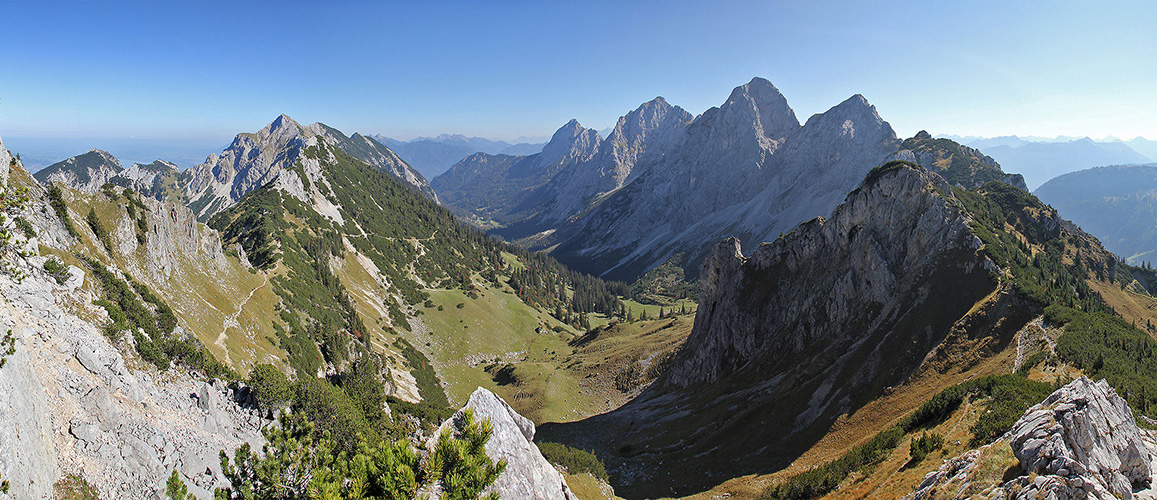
(1085, 430)
(528, 475)
(1080, 442)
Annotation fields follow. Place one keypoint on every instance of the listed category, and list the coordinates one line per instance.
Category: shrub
(25, 227)
(575, 461)
(922, 446)
(56, 200)
(270, 387)
(56, 269)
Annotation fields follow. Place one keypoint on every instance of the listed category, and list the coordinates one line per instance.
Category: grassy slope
(202, 296)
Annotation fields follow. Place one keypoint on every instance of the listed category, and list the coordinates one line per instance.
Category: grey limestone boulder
(1084, 430)
(528, 476)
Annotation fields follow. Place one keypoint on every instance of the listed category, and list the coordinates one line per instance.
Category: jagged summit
(774, 119)
(254, 159)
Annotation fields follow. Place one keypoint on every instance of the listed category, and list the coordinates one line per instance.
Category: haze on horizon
(204, 71)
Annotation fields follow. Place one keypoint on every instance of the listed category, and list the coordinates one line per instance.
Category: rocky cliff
(1080, 442)
(808, 327)
(957, 163)
(86, 172)
(495, 188)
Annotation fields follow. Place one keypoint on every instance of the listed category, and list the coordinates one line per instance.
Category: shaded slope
(908, 275)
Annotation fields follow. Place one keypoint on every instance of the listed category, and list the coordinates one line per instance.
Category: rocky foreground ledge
(1080, 442)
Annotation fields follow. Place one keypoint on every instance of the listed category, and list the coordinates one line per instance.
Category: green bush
(297, 463)
(25, 227)
(55, 268)
(56, 200)
(98, 229)
(270, 387)
(824, 478)
(922, 446)
(575, 461)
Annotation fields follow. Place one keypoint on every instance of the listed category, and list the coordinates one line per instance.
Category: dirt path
(231, 320)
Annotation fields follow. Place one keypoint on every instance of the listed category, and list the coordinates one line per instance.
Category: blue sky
(203, 71)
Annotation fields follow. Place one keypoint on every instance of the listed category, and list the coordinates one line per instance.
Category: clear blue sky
(207, 70)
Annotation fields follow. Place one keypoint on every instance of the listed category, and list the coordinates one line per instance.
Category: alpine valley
(728, 305)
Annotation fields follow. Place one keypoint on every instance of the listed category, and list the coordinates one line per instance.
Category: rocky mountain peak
(571, 141)
(86, 172)
(759, 103)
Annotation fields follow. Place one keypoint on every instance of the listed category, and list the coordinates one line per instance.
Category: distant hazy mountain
(523, 148)
(86, 172)
(494, 187)
(433, 155)
(1144, 146)
(1116, 204)
(1042, 159)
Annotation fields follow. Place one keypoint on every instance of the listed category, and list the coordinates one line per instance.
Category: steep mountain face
(745, 169)
(86, 172)
(958, 164)
(1041, 161)
(808, 327)
(1116, 204)
(493, 187)
(637, 141)
(253, 160)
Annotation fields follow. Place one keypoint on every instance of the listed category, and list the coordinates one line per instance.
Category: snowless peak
(773, 114)
(282, 121)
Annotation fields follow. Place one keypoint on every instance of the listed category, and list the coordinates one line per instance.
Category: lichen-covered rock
(1085, 430)
(1080, 442)
(528, 476)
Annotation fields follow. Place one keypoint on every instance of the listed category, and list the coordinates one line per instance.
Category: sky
(200, 72)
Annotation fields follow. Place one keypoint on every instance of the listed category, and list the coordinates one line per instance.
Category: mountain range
(1118, 204)
(867, 305)
(666, 185)
(1040, 160)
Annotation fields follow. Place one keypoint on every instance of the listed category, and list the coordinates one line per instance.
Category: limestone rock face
(638, 140)
(1080, 442)
(71, 403)
(86, 172)
(528, 475)
(746, 169)
(1085, 430)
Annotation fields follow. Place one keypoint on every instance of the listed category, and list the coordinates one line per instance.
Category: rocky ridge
(1080, 442)
(72, 403)
(253, 160)
(772, 362)
(86, 172)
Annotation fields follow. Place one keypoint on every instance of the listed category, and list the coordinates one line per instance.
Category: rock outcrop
(807, 328)
(86, 172)
(1080, 442)
(528, 475)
